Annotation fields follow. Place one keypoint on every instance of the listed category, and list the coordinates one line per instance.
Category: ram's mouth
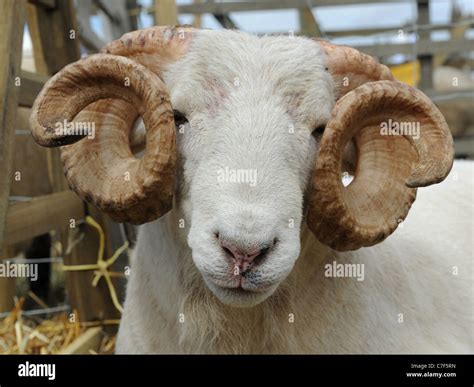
(240, 295)
(244, 289)
(239, 285)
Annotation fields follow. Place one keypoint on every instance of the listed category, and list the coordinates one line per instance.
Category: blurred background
(80, 255)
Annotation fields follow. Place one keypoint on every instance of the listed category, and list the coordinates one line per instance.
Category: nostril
(245, 257)
(227, 251)
(261, 256)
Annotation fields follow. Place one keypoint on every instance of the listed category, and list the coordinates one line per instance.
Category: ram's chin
(238, 297)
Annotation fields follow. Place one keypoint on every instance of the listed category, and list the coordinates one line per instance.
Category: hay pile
(32, 335)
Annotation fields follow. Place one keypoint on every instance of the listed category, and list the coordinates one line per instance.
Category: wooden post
(7, 285)
(53, 48)
(225, 21)
(133, 19)
(55, 44)
(197, 21)
(93, 303)
(426, 61)
(41, 214)
(11, 37)
(166, 13)
(55, 36)
(12, 19)
(308, 23)
(115, 18)
(89, 340)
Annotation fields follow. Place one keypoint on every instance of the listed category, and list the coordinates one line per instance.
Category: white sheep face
(246, 154)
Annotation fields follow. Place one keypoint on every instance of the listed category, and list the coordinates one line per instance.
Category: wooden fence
(53, 31)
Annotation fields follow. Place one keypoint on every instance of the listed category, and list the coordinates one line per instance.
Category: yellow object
(408, 73)
(101, 267)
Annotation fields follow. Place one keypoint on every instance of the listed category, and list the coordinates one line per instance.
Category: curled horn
(389, 168)
(100, 97)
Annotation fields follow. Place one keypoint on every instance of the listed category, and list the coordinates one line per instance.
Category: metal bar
(265, 5)
(36, 312)
(395, 29)
(450, 96)
(17, 198)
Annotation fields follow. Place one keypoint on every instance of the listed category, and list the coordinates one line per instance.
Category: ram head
(245, 140)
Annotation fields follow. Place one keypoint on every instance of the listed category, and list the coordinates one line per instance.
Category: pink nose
(243, 258)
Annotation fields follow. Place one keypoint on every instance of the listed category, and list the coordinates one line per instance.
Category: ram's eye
(319, 130)
(179, 118)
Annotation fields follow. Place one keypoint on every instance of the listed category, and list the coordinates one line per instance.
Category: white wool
(241, 95)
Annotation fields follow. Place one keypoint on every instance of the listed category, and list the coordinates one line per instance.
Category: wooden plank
(422, 47)
(117, 20)
(308, 23)
(458, 28)
(88, 37)
(90, 41)
(11, 36)
(451, 95)
(226, 21)
(45, 4)
(7, 284)
(426, 59)
(395, 29)
(32, 20)
(53, 48)
(54, 36)
(197, 21)
(29, 175)
(132, 19)
(105, 7)
(12, 19)
(31, 85)
(89, 340)
(466, 24)
(26, 220)
(166, 12)
(23, 115)
(92, 302)
(7, 292)
(265, 5)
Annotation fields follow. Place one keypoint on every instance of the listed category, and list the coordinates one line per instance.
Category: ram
(227, 266)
